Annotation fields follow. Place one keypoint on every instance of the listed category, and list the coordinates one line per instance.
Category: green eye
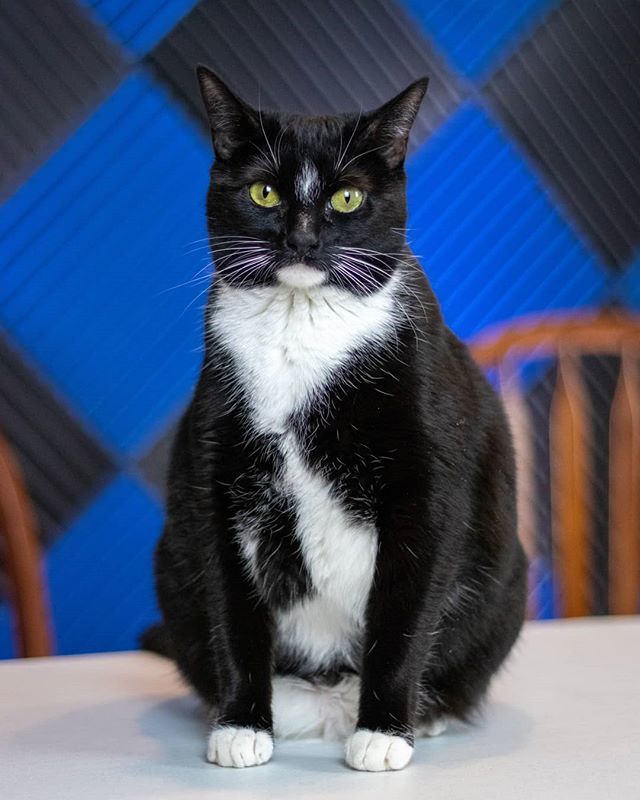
(346, 199)
(264, 195)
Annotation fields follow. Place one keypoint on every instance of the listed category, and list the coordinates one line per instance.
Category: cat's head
(307, 201)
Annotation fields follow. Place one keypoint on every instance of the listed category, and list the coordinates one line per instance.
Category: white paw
(375, 752)
(434, 728)
(239, 747)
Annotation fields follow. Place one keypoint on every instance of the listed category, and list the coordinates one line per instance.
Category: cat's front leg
(396, 646)
(242, 725)
(242, 730)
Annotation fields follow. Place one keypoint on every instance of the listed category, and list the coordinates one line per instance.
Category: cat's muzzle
(301, 276)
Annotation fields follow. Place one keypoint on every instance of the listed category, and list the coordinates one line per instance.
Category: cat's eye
(265, 195)
(346, 199)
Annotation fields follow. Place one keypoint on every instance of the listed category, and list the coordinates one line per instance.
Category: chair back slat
(569, 491)
(521, 427)
(624, 488)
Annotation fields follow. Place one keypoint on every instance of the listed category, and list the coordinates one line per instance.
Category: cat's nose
(302, 240)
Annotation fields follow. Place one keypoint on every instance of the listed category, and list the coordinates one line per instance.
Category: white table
(563, 722)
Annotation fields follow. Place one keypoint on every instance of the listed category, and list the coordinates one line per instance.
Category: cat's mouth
(301, 276)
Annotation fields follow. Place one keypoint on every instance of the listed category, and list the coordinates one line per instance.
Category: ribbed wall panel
(627, 288)
(571, 96)
(56, 67)
(154, 464)
(475, 34)
(62, 463)
(305, 56)
(100, 578)
(488, 236)
(139, 24)
(89, 277)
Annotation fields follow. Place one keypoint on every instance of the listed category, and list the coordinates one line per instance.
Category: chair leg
(17, 527)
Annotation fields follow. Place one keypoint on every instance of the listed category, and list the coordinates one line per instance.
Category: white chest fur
(286, 344)
(340, 556)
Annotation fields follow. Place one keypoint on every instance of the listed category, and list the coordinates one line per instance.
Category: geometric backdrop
(524, 195)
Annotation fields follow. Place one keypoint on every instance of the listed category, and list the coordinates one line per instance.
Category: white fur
(373, 751)
(239, 747)
(435, 728)
(301, 276)
(340, 557)
(303, 710)
(307, 183)
(287, 343)
(248, 538)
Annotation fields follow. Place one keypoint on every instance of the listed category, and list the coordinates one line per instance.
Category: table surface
(563, 721)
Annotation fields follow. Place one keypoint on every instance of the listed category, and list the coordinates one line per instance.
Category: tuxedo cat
(340, 555)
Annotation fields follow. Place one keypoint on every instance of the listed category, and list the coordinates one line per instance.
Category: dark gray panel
(154, 464)
(600, 375)
(571, 94)
(56, 66)
(305, 56)
(63, 465)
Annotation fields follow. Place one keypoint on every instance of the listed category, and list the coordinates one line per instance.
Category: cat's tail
(156, 640)
(303, 710)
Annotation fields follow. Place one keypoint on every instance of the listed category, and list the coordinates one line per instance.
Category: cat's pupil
(266, 191)
(347, 197)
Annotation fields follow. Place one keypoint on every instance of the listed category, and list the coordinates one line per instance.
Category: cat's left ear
(391, 124)
(231, 120)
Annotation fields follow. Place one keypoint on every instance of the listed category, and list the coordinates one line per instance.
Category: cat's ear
(232, 122)
(389, 126)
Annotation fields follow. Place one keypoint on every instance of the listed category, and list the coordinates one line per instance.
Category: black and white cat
(340, 556)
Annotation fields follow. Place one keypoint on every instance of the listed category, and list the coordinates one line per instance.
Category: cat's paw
(239, 747)
(373, 751)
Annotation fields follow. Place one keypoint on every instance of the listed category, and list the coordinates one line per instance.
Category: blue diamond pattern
(489, 236)
(474, 34)
(94, 245)
(139, 24)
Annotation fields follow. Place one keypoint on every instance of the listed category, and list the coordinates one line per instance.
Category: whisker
(357, 278)
(266, 138)
(362, 262)
(242, 268)
(235, 236)
(192, 282)
(344, 152)
(196, 298)
(360, 155)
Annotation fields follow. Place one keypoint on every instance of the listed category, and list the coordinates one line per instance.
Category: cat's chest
(288, 345)
(325, 627)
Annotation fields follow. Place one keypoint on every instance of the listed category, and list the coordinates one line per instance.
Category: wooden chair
(22, 559)
(565, 338)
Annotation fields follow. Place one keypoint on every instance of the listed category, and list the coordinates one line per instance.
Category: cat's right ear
(232, 122)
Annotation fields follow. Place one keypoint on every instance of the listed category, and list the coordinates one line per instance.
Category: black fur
(417, 443)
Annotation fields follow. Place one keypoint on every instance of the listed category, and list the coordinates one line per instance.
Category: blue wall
(103, 236)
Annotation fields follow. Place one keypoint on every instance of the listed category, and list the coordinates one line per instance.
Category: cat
(340, 556)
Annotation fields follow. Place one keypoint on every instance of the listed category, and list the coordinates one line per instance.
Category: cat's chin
(301, 276)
